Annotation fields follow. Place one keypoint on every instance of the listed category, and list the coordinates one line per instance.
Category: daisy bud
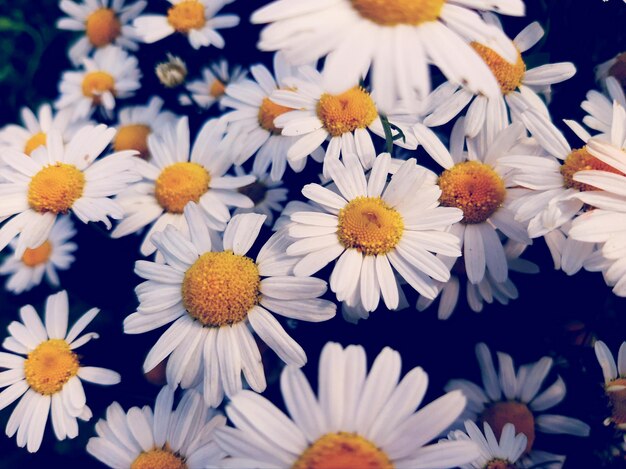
(173, 72)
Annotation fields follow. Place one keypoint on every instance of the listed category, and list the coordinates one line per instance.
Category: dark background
(555, 315)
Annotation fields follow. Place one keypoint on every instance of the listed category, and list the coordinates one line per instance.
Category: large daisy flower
(398, 39)
(358, 420)
(176, 176)
(370, 226)
(599, 107)
(212, 87)
(194, 18)
(57, 179)
(268, 196)
(614, 381)
(102, 22)
(163, 438)
(54, 254)
(215, 295)
(49, 379)
(109, 75)
(510, 397)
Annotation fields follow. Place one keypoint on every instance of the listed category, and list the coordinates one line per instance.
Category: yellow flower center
(497, 415)
(221, 288)
(158, 459)
(269, 111)
(133, 137)
(55, 188)
(394, 12)
(50, 366)
(36, 256)
(370, 226)
(618, 402)
(342, 451)
(34, 142)
(346, 112)
(97, 83)
(102, 27)
(255, 192)
(217, 88)
(582, 160)
(509, 75)
(473, 187)
(618, 69)
(181, 183)
(186, 15)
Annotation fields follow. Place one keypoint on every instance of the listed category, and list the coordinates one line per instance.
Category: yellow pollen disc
(217, 88)
(618, 69)
(509, 75)
(255, 192)
(220, 288)
(133, 137)
(158, 459)
(269, 111)
(394, 12)
(96, 83)
(346, 112)
(179, 184)
(473, 187)
(582, 160)
(102, 27)
(55, 188)
(618, 402)
(499, 464)
(34, 142)
(499, 414)
(370, 226)
(186, 15)
(37, 256)
(342, 451)
(50, 366)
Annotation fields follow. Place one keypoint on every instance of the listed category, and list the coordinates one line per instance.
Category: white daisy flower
(268, 196)
(177, 175)
(163, 438)
(370, 226)
(212, 87)
(215, 296)
(599, 107)
(397, 38)
(194, 18)
(57, 179)
(49, 379)
(614, 381)
(110, 74)
(55, 253)
(510, 397)
(358, 419)
(102, 22)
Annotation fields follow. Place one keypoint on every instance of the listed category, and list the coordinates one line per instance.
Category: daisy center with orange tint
(616, 392)
(500, 464)
(509, 75)
(497, 415)
(50, 366)
(346, 112)
(181, 183)
(582, 160)
(37, 256)
(395, 12)
(217, 88)
(268, 111)
(97, 83)
(186, 15)
(618, 69)
(158, 459)
(133, 137)
(34, 142)
(55, 188)
(220, 288)
(370, 226)
(475, 188)
(342, 451)
(102, 27)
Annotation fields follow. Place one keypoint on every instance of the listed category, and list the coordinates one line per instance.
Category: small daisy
(215, 296)
(370, 226)
(615, 67)
(176, 176)
(510, 397)
(57, 179)
(109, 75)
(614, 381)
(212, 87)
(599, 107)
(194, 18)
(268, 196)
(49, 379)
(165, 438)
(55, 253)
(102, 23)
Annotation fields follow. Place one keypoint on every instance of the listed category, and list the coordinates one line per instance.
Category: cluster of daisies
(226, 256)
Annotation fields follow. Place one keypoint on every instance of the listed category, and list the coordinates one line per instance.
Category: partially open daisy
(214, 296)
(397, 38)
(54, 254)
(372, 225)
(196, 19)
(615, 67)
(49, 378)
(358, 419)
(109, 75)
(177, 175)
(59, 179)
(599, 107)
(614, 381)
(268, 196)
(510, 397)
(102, 22)
(163, 438)
(212, 87)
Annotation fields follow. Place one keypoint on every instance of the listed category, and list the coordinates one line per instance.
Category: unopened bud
(173, 72)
